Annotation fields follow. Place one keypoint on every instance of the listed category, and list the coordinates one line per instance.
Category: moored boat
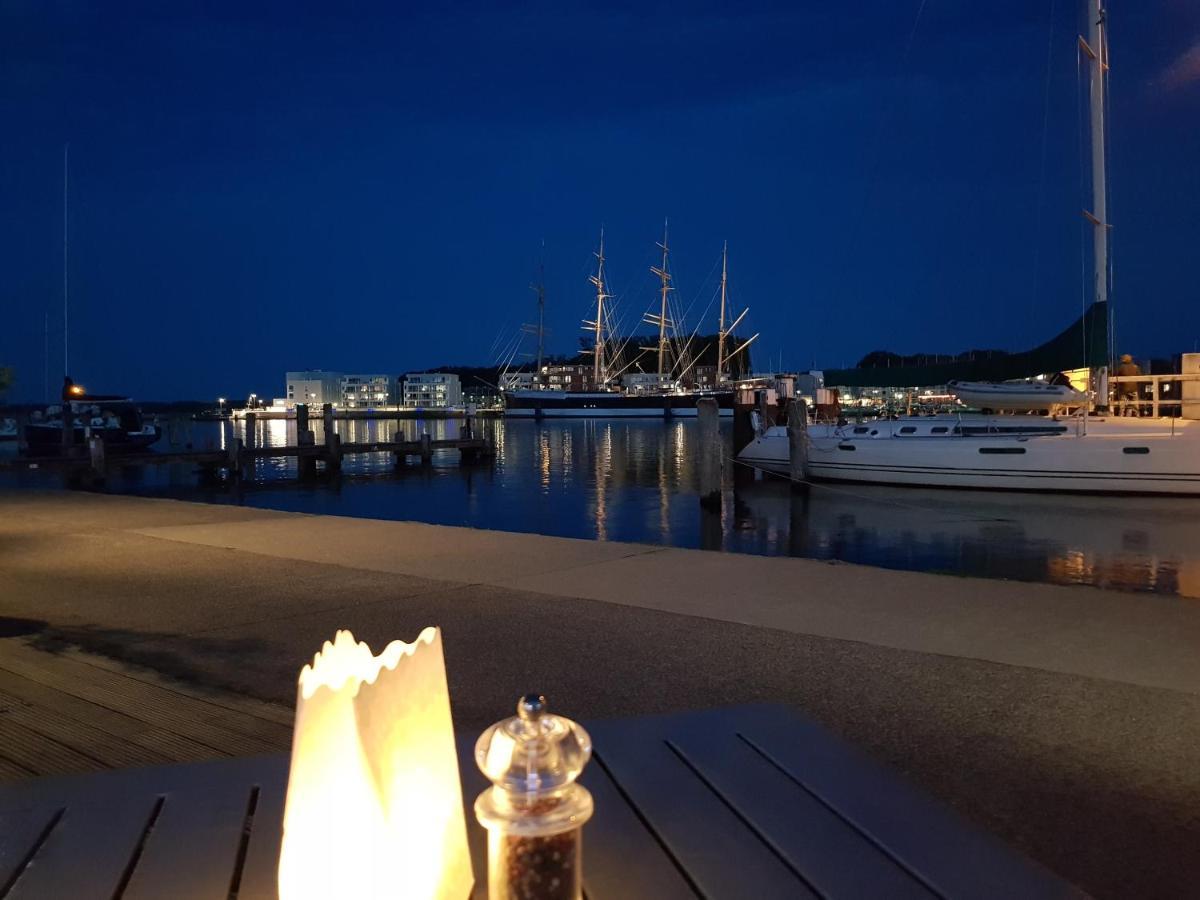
(114, 419)
(1018, 453)
(1015, 396)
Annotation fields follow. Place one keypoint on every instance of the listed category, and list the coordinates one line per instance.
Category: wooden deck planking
(70, 732)
(68, 711)
(244, 734)
(270, 712)
(136, 731)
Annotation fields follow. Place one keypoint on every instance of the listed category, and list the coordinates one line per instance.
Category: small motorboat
(115, 419)
(1015, 396)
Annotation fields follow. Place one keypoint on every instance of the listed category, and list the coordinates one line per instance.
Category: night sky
(262, 187)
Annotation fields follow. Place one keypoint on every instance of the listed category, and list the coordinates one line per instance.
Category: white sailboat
(1026, 453)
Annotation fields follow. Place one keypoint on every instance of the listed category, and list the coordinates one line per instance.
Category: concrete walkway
(1067, 720)
(1076, 630)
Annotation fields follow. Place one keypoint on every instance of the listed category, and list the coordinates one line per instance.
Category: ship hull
(1110, 458)
(598, 405)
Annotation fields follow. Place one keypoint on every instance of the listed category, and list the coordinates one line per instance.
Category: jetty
(92, 463)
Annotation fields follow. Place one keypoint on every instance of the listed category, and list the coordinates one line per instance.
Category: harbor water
(637, 481)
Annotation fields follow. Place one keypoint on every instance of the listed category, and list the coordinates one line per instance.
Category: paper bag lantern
(374, 802)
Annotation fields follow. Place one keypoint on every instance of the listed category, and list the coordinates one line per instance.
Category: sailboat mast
(665, 279)
(1097, 44)
(721, 327)
(66, 329)
(598, 351)
(1096, 48)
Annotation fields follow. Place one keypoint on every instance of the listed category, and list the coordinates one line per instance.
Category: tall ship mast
(599, 371)
(663, 318)
(721, 321)
(723, 330)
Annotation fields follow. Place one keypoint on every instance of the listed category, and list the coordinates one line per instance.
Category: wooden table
(746, 802)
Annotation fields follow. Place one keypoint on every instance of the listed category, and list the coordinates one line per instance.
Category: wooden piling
(711, 453)
(327, 421)
(426, 449)
(306, 462)
(68, 426)
(234, 462)
(798, 444)
(251, 438)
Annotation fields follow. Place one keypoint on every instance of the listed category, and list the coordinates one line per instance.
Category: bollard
(711, 461)
(798, 444)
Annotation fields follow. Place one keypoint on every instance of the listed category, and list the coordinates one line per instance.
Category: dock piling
(798, 444)
(306, 461)
(711, 455)
(426, 449)
(333, 441)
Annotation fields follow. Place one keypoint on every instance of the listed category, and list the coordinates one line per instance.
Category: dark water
(636, 481)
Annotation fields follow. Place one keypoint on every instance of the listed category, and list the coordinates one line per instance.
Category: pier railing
(1138, 393)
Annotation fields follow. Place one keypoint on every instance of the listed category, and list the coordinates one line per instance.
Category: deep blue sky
(257, 187)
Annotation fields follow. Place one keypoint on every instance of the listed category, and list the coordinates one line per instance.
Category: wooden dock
(92, 463)
(65, 711)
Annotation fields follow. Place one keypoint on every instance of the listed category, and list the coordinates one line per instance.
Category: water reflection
(637, 481)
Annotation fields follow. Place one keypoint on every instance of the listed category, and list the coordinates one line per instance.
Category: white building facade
(313, 387)
(369, 391)
(432, 390)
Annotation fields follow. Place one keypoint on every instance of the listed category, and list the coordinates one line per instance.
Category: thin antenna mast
(721, 327)
(664, 275)
(66, 321)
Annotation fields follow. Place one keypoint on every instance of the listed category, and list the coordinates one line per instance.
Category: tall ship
(610, 389)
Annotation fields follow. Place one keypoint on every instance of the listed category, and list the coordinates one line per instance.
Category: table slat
(954, 857)
(20, 832)
(721, 855)
(87, 853)
(622, 860)
(190, 853)
(260, 871)
(835, 858)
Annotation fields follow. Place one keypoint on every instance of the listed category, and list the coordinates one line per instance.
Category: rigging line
(1041, 189)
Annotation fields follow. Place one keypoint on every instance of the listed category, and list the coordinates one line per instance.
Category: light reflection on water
(636, 481)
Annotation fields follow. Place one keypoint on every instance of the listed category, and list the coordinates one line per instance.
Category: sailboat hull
(1110, 458)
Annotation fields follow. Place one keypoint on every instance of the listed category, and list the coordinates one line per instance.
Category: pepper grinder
(534, 811)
